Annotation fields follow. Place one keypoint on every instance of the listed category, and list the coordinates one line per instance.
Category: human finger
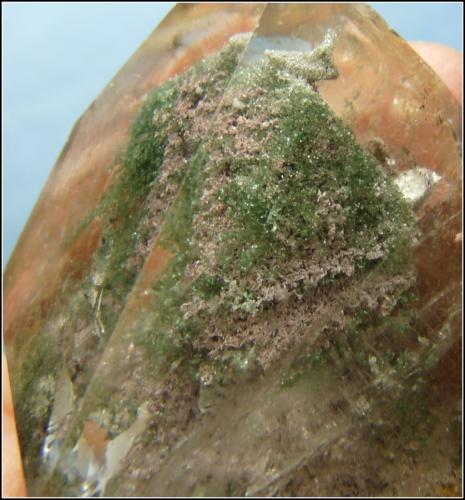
(446, 62)
(12, 468)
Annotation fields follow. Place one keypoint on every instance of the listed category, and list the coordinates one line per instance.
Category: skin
(445, 61)
(12, 470)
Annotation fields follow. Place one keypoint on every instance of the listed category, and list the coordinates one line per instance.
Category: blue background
(58, 56)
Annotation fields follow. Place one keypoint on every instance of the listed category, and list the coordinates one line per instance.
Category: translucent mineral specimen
(243, 276)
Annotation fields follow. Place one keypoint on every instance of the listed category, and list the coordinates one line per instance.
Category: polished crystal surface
(243, 276)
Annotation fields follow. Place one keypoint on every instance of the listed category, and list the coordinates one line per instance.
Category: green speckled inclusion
(276, 204)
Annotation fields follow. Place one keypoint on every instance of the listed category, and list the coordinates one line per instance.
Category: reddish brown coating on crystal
(154, 265)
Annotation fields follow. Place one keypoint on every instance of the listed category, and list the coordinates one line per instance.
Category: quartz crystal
(243, 276)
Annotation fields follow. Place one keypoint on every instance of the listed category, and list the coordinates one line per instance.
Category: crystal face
(243, 276)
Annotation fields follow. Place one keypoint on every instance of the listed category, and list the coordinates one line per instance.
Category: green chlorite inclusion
(270, 207)
(280, 201)
(288, 179)
(277, 205)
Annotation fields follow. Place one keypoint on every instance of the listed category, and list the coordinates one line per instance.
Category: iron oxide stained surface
(243, 276)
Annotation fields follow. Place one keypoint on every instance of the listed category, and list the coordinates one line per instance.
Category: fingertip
(445, 61)
(13, 484)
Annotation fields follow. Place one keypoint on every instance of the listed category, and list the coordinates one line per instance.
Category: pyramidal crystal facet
(252, 283)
